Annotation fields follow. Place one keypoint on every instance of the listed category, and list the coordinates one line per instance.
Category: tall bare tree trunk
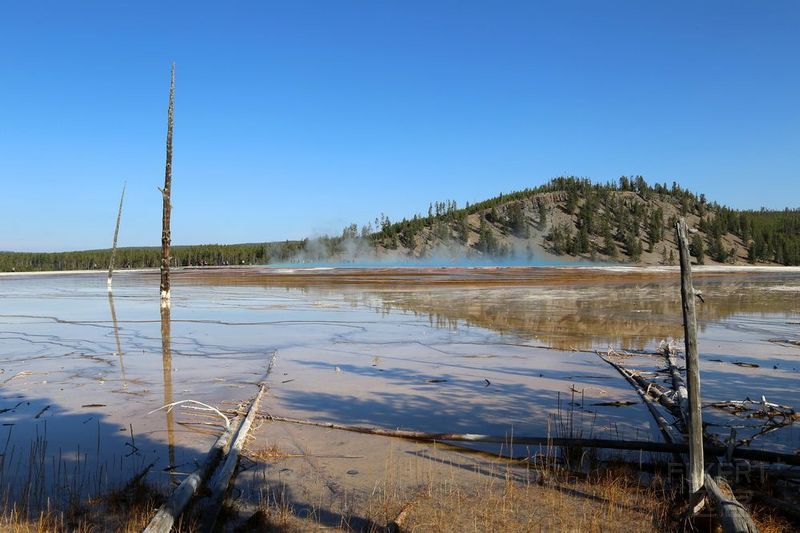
(166, 235)
(116, 234)
(695, 416)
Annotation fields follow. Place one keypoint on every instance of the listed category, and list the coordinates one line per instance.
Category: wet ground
(486, 350)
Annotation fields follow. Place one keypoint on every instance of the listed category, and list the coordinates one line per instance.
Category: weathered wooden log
(169, 512)
(396, 525)
(695, 417)
(791, 342)
(667, 429)
(611, 444)
(658, 393)
(116, 234)
(678, 385)
(732, 515)
(218, 485)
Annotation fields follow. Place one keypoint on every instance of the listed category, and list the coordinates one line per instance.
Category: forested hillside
(624, 221)
(629, 220)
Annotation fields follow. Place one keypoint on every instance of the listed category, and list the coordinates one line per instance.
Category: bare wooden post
(695, 422)
(116, 234)
(165, 193)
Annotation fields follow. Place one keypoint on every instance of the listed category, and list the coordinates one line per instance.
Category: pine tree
(542, 213)
(697, 249)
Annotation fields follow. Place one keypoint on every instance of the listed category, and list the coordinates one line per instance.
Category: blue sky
(296, 118)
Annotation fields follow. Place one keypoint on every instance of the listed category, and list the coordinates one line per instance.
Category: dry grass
(270, 453)
(545, 501)
(509, 498)
(504, 497)
(769, 522)
(549, 503)
(125, 510)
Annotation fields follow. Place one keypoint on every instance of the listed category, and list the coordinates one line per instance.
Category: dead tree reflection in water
(166, 362)
(116, 337)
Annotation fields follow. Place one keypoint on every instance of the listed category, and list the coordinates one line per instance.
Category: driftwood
(775, 416)
(791, 342)
(611, 444)
(222, 477)
(116, 234)
(396, 525)
(658, 393)
(169, 512)
(166, 236)
(678, 386)
(666, 429)
(654, 390)
(755, 409)
(218, 485)
(732, 515)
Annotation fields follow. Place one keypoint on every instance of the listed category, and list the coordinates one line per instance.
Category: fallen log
(667, 429)
(658, 393)
(218, 486)
(169, 512)
(732, 515)
(396, 525)
(611, 444)
(791, 342)
(678, 385)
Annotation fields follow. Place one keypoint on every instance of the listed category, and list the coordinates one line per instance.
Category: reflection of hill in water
(565, 308)
(626, 316)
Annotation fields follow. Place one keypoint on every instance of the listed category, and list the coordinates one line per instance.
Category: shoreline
(283, 269)
(382, 277)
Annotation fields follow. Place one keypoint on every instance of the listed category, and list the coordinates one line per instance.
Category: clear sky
(295, 118)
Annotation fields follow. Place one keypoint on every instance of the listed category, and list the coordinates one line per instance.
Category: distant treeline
(150, 257)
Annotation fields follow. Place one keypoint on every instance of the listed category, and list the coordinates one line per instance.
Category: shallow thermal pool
(485, 350)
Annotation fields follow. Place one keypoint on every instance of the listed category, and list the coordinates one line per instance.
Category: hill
(627, 221)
